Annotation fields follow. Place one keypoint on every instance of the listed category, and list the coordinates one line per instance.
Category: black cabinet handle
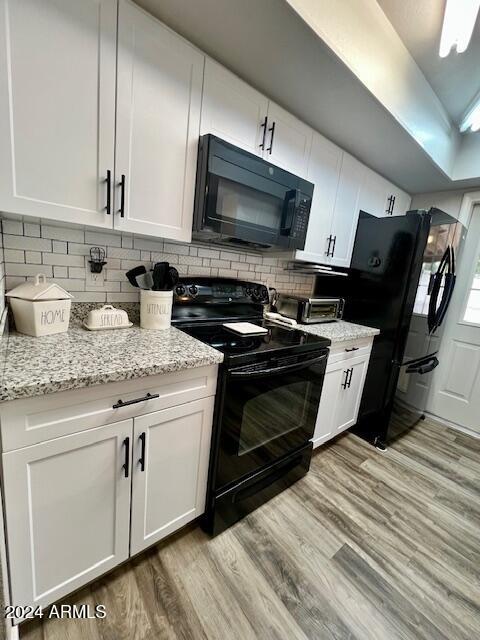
(329, 243)
(344, 383)
(121, 403)
(352, 349)
(126, 464)
(349, 382)
(391, 204)
(333, 246)
(141, 460)
(108, 180)
(122, 196)
(272, 129)
(264, 126)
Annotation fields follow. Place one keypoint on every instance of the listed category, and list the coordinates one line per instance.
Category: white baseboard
(452, 425)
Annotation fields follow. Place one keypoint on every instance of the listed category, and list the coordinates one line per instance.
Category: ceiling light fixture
(458, 24)
(471, 119)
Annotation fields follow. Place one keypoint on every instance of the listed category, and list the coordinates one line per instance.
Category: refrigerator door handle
(433, 309)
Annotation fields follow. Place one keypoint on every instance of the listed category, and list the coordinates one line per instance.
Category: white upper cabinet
(158, 123)
(324, 171)
(237, 113)
(287, 141)
(57, 108)
(382, 198)
(345, 219)
(337, 177)
(232, 110)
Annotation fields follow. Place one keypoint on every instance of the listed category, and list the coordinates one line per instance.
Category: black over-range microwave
(241, 199)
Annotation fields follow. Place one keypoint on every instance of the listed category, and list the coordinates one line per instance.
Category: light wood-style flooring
(368, 545)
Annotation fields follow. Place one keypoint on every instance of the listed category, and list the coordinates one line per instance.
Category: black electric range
(267, 400)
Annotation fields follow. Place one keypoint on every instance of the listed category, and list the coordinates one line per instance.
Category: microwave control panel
(302, 215)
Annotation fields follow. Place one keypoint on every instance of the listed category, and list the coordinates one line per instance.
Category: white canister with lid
(155, 309)
(107, 317)
(40, 308)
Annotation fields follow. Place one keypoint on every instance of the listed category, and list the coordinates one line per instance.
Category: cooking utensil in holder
(155, 309)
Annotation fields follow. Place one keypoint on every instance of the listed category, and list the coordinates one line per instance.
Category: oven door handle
(285, 369)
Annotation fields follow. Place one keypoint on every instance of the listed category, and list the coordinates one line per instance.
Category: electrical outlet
(95, 279)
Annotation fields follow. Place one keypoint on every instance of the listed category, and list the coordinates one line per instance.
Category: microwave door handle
(284, 369)
(289, 206)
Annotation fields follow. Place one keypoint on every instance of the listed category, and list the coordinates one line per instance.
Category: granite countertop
(340, 331)
(81, 358)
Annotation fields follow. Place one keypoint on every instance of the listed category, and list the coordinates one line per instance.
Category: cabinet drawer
(345, 351)
(31, 420)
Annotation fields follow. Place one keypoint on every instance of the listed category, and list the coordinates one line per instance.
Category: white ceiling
(455, 79)
(268, 44)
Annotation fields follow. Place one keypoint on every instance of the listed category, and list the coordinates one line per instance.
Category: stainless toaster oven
(310, 310)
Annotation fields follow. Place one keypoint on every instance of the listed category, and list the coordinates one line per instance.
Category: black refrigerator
(402, 267)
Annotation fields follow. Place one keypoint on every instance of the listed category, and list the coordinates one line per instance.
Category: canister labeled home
(155, 309)
(40, 308)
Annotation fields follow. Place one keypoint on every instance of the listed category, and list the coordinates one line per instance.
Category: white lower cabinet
(341, 393)
(170, 467)
(67, 505)
(79, 504)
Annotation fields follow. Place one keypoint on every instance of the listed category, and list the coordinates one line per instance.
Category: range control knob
(260, 294)
(180, 290)
(193, 290)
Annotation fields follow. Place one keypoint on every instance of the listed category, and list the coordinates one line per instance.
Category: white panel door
(57, 108)
(67, 505)
(347, 209)
(353, 373)
(288, 141)
(158, 124)
(169, 489)
(455, 394)
(232, 110)
(324, 171)
(325, 426)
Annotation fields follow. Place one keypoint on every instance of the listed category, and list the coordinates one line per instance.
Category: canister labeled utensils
(155, 309)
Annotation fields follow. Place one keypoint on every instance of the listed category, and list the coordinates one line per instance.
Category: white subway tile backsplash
(60, 272)
(32, 230)
(63, 259)
(133, 296)
(65, 254)
(14, 255)
(177, 249)
(97, 238)
(13, 281)
(33, 257)
(22, 242)
(208, 253)
(126, 254)
(59, 246)
(77, 272)
(13, 227)
(63, 233)
(17, 269)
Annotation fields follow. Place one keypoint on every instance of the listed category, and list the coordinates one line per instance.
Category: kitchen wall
(62, 252)
(2, 275)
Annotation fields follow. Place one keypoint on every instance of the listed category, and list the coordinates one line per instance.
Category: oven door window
(265, 417)
(273, 414)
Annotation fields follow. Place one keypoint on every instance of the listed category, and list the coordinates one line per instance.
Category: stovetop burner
(232, 345)
(202, 305)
